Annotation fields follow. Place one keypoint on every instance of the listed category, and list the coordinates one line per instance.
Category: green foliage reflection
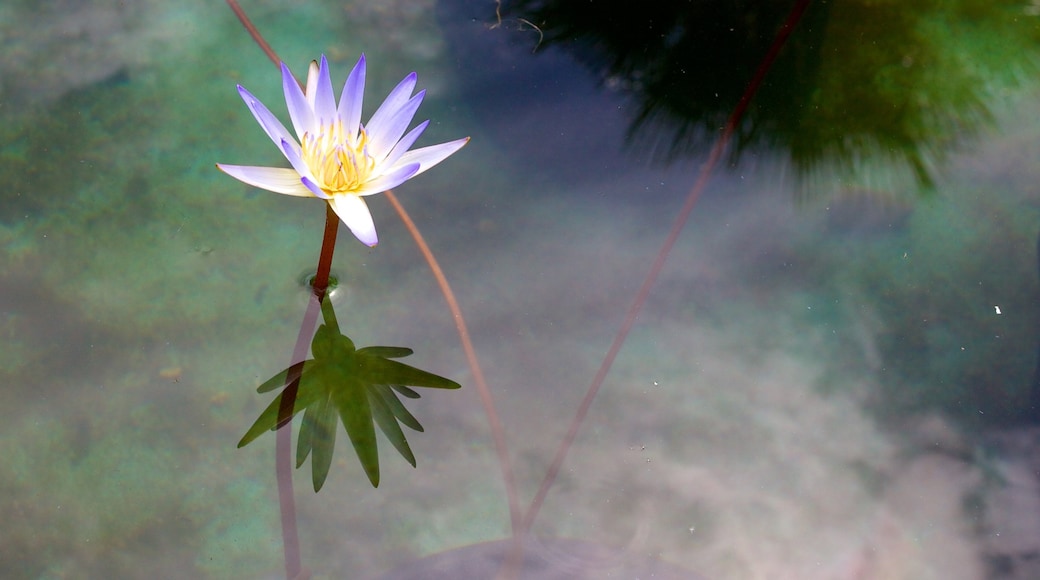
(898, 82)
(357, 385)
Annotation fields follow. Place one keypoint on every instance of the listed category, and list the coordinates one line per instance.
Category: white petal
(268, 122)
(427, 157)
(312, 83)
(384, 134)
(299, 109)
(351, 100)
(276, 179)
(354, 212)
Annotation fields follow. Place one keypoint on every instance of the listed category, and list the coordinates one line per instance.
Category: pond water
(833, 376)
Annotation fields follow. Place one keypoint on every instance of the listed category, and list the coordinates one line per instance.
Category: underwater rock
(867, 213)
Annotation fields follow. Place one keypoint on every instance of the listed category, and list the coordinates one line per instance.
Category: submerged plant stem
(497, 432)
(655, 269)
(253, 32)
(283, 438)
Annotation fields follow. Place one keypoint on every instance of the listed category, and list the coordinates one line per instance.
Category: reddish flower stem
(328, 246)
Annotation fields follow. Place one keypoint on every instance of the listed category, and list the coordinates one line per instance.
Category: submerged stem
(497, 432)
(283, 438)
(253, 32)
(655, 269)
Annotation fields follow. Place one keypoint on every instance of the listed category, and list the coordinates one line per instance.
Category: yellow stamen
(340, 162)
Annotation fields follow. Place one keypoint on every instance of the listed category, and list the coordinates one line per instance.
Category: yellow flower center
(340, 162)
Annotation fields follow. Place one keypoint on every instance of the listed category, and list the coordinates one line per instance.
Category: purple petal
(397, 98)
(427, 157)
(384, 134)
(354, 212)
(276, 179)
(292, 152)
(313, 188)
(268, 122)
(324, 102)
(389, 180)
(299, 109)
(352, 98)
(403, 145)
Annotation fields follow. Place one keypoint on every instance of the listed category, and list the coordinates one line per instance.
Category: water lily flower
(336, 157)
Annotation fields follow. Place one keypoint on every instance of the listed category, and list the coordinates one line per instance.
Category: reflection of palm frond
(361, 386)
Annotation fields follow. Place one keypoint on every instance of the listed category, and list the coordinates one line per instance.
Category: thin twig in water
(498, 22)
(655, 269)
(541, 36)
(497, 432)
(253, 32)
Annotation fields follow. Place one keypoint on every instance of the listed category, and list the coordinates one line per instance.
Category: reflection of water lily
(358, 386)
(337, 158)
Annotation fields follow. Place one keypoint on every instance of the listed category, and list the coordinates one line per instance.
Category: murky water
(831, 378)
